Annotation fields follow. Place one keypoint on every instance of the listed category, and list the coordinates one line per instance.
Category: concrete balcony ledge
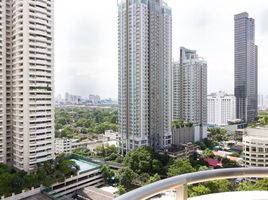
(179, 186)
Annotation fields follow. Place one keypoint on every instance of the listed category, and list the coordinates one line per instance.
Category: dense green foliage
(181, 124)
(108, 174)
(84, 152)
(14, 181)
(262, 121)
(219, 186)
(126, 177)
(73, 122)
(210, 187)
(145, 160)
(108, 152)
(180, 166)
(154, 178)
(217, 135)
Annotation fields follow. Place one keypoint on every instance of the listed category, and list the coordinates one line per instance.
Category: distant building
(144, 73)
(221, 108)
(109, 135)
(260, 101)
(246, 68)
(255, 147)
(94, 99)
(72, 99)
(190, 91)
(67, 146)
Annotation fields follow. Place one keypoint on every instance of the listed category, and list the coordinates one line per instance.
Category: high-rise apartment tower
(190, 91)
(246, 68)
(221, 108)
(145, 60)
(26, 82)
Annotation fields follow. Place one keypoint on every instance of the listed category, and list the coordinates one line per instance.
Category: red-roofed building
(213, 162)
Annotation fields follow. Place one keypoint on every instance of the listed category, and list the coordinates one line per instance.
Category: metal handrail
(180, 183)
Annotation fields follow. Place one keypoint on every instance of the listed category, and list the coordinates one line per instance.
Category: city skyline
(81, 69)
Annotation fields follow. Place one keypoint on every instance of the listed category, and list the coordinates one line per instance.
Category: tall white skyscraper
(26, 82)
(190, 91)
(145, 60)
(221, 108)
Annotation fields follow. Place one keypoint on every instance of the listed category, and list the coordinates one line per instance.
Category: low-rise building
(182, 150)
(109, 135)
(67, 146)
(89, 174)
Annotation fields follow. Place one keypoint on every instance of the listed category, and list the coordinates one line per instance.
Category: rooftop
(84, 165)
(94, 193)
(38, 197)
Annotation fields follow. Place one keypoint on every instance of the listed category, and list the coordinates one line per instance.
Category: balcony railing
(180, 183)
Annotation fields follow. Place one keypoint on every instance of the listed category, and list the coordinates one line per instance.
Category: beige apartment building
(26, 82)
(255, 147)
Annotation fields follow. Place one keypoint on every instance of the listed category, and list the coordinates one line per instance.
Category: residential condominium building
(190, 91)
(144, 62)
(221, 108)
(26, 82)
(246, 68)
(255, 147)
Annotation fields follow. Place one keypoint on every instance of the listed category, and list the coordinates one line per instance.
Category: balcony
(180, 185)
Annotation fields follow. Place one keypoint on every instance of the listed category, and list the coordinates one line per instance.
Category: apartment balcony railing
(180, 183)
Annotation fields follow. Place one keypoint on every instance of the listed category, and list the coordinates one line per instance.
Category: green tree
(180, 166)
(126, 177)
(219, 186)
(121, 190)
(198, 190)
(68, 167)
(246, 186)
(139, 160)
(154, 178)
(82, 152)
(262, 184)
(203, 168)
(229, 163)
(207, 153)
(108, 174)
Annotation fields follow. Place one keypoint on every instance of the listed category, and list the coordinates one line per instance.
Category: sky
(86, 42)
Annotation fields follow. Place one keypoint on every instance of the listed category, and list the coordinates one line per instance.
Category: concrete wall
(183, 135)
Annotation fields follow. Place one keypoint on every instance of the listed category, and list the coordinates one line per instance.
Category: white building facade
(255, 147)
(190, 91)
(221, 108)
(145, 60)
(27, 82)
